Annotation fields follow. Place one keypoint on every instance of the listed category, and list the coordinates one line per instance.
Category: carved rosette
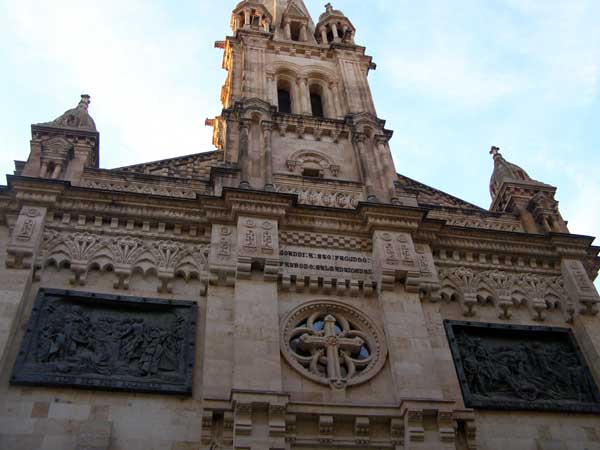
(333, 344)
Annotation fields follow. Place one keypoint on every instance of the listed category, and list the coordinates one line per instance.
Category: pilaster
(16, 274)
(257, 364)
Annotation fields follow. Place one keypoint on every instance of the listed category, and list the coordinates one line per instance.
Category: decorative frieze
(509, 290)
(473, 220)
(82, 252)
(323, 240)
(141, 188)
(322, 196)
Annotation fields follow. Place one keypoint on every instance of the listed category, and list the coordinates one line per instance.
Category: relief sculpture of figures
(107, 342)
(521, 368)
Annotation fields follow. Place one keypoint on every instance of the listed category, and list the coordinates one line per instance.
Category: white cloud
(474, 54)
(143, 73)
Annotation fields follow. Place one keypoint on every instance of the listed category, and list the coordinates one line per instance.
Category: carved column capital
(381, 139)
(267, 126)
(360, 137)
(245, 124)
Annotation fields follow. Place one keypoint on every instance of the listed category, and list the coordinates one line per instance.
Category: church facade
(289, 290)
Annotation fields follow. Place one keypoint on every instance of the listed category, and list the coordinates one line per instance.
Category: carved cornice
(571, 245)
(36, 191)
(257, 203)
(382, 216)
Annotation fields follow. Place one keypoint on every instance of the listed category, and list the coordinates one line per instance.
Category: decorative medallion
(333, 344)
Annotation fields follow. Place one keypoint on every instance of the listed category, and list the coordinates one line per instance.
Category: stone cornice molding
(36, 191)
(390, 217)
(571, 246)
(257, 203)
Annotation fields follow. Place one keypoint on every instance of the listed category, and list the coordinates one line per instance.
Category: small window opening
(316, 103)
(256, 21)
(315, 173)
(295, 31)
(329, 35)
(284, 100)
(242, 19)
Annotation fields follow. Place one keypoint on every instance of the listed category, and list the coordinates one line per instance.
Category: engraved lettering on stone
(334, 263)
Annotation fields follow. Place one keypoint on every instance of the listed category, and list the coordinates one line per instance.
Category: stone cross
(334, 345)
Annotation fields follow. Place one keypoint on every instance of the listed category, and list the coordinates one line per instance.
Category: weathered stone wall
(537, 431)
(60, 419)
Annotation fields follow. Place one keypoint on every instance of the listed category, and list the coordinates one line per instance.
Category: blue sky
(454, 77)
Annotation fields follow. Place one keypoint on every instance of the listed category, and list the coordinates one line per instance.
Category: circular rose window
(332, 343)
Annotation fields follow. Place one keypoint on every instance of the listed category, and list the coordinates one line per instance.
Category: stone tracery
(332, 344)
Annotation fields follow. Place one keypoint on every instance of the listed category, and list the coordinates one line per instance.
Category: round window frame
(358, 318)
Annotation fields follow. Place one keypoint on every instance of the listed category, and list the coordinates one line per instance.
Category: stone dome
(504, 171)
(76, 118)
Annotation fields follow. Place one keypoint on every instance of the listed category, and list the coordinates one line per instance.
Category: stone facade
(323, 279)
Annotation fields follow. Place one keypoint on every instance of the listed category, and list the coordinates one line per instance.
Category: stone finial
(495, 151)
(84, 103)
(328, 8)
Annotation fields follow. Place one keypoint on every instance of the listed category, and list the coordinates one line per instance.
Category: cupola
(76, 118)
(63, 148)
(504, 171)
(334, 27)
(251, 15)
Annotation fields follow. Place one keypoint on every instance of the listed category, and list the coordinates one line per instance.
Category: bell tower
(298, 115)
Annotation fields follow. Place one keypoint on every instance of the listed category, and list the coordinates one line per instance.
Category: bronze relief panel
(521, 368)
(108, 342)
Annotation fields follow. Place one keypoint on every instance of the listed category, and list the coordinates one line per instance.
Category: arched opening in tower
(284, 100)
(316, 100)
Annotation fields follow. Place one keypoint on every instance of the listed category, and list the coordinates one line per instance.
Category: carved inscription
(111, 343)
(332, 263)
(521, 367)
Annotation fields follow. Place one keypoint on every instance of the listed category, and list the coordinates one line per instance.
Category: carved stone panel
(107, 342)
(25, 238)
(521, 368)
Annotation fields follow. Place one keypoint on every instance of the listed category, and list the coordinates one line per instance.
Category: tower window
(316, 173)
(284, 101)
(295, 31)
(316, 103)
